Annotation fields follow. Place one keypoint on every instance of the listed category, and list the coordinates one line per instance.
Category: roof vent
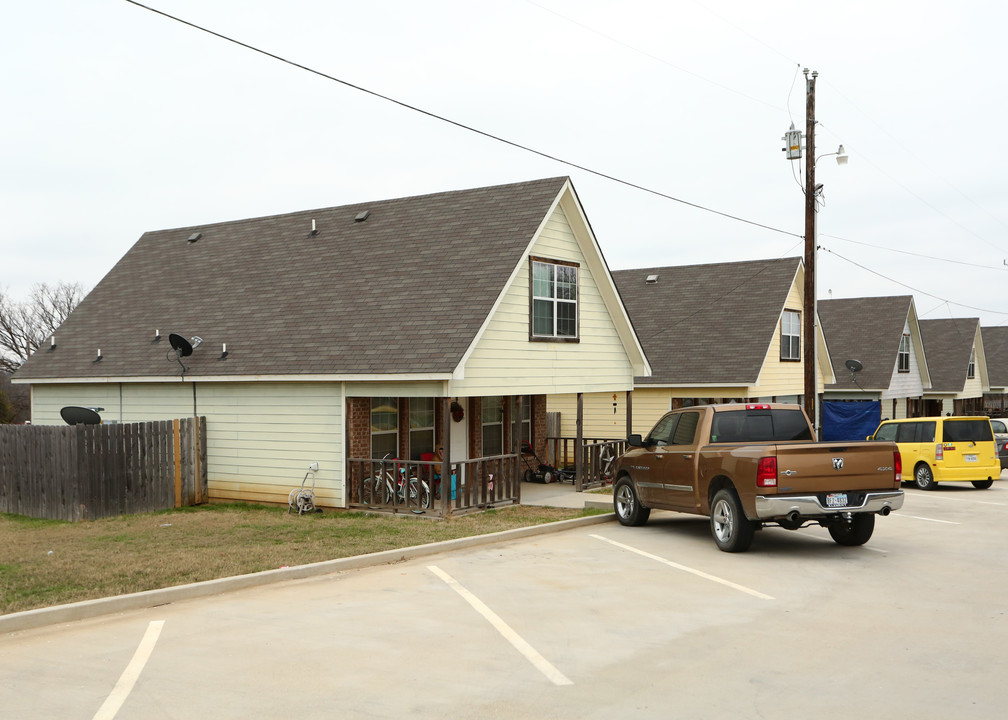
(651, 280)
(314, 230)
(362, 216)
(195, 236)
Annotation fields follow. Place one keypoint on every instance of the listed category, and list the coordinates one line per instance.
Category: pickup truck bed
(746, 466)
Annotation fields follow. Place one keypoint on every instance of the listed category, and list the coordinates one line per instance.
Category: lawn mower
(537, 470)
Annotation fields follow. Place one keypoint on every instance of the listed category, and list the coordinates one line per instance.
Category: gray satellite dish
(73, 415)
(854, 366)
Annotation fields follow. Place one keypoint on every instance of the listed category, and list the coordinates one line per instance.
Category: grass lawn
(47, 562)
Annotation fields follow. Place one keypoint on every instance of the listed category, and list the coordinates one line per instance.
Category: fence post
(178, 462)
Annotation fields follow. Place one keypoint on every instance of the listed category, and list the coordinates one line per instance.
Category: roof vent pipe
(314, 230)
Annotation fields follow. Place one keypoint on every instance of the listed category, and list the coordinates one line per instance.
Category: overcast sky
(117, 120)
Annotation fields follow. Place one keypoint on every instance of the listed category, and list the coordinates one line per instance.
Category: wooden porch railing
(418, 487)
(598, 457)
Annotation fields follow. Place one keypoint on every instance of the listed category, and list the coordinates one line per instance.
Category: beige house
(393, 327)
(884, 335)
(995, 341)
(720, 332)
(958, 364)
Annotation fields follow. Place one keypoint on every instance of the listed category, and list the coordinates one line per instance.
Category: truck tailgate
(827, 467)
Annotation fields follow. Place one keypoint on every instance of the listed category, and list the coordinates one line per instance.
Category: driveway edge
(29, 619)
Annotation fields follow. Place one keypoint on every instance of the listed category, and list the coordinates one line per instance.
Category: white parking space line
(918, 517)
(132, 672)
(542, 664)
(677, 566)
(933, 496)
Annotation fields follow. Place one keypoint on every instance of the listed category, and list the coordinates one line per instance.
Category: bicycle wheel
(419, 495)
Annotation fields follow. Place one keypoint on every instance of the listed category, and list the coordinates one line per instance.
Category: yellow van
(944, 449)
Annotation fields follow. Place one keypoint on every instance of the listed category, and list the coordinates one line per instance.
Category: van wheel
(627, 505)
(924, 478)
(982, 484)
(732, 530)
(855, 531)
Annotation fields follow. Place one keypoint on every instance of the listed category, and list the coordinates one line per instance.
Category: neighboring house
(958, 366)
(349, 332)
(995, 342)
(721, 332)
(883, 334)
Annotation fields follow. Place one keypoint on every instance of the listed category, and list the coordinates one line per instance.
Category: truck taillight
(939, 452)
(897, 462)
(766, 472)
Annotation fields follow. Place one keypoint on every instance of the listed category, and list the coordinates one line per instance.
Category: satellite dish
(182, 347)
(854, 366)
(74, 415)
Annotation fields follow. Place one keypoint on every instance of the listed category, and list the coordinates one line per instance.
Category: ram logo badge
(838, 463)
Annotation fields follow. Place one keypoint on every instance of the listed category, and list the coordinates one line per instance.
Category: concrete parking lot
(600, 621)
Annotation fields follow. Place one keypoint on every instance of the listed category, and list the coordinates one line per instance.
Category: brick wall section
(359, 427)
(474, 416)
(539, 425)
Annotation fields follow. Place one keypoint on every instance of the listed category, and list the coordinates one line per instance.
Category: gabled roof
(868, 330)
(995, 341)
(403, 291)
(948, 343)
(707, 324)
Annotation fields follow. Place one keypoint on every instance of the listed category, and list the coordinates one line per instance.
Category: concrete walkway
(562, 495)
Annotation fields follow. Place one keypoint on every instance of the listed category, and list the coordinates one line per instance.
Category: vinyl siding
(778, 377)
(904, 385)
(505, 362)
(600, 423)
(260, 436)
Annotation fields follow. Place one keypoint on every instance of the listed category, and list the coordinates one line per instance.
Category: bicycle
(384, 488)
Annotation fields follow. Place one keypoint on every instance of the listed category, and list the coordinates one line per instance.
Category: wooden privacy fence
(86, 472)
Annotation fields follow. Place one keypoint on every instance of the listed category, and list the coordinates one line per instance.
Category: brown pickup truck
(747, 466)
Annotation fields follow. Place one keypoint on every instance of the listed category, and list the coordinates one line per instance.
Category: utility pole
(809, 323)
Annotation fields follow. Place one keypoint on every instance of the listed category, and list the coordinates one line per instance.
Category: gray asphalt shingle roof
(702, 324)
(405, 291)
(868, 330)
(995, 342)
(948, 343)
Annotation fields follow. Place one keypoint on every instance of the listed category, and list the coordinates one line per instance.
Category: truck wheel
(855, 531)
(732, 530)
(924, 478)
(627, 505)
(982, 484)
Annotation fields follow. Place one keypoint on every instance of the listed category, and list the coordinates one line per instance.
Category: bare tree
(25, 325)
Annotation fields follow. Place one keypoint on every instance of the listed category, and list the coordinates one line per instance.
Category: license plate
(836, 500)
(970, 458)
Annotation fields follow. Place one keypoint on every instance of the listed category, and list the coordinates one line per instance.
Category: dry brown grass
(44, 563)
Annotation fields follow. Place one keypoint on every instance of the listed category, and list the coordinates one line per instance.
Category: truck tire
(924, 478)
(732, 530)
(854, 532)
(627, 505)
(982, 484)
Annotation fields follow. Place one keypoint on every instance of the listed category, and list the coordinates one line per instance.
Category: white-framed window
(553, 300)
(790, 335)
(493, 426)
(421, 427)
(384, 427)
(526, 419)
(971, 370)
(904, 354)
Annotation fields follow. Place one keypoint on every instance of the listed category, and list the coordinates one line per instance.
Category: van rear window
(732, 426)
(966, 431)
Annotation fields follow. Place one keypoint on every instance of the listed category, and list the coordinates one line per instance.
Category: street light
(792, 151)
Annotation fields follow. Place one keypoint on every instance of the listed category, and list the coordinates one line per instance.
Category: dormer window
(553, 300)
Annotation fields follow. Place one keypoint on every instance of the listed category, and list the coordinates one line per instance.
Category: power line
(909, 287)
(920, 255)
(463, 126)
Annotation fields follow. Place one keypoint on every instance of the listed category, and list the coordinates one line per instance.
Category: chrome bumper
(775, 506)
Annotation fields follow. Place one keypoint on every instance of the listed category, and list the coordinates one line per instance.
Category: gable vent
(362, 216)
(651, 280)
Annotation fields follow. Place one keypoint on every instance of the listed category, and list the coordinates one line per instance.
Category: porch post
(516, 428)
(579, 445)
(629, 412)
(446, 481)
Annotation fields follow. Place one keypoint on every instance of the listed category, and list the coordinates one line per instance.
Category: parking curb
(40, 617)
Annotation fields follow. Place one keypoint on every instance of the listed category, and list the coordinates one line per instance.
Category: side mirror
(635, 440)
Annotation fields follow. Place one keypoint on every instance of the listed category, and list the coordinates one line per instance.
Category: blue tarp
(850, 420)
